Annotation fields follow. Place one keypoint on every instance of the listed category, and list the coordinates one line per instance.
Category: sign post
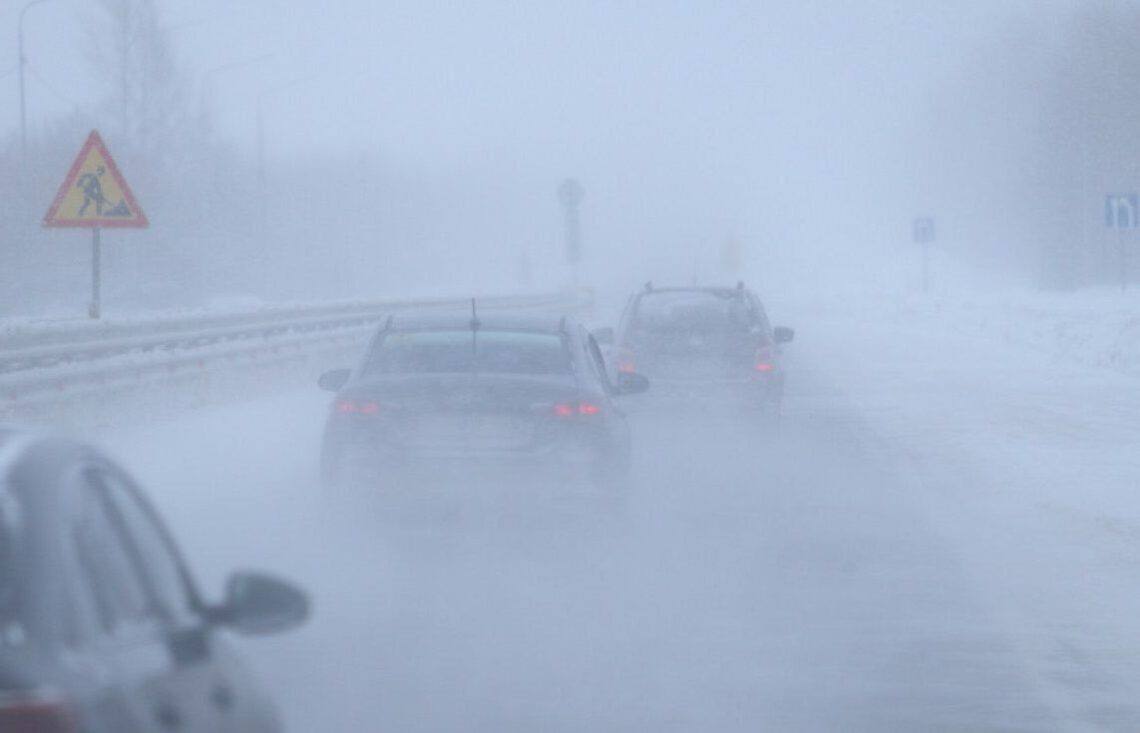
(924, 234)
(570, 195)
(95, 310)
(731, 256)
(1122, 212)
(95, 196)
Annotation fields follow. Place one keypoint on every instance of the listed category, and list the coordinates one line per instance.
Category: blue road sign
(924, 230)
(1122, 211)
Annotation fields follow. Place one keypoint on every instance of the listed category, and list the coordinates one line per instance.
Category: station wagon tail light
(568, 410)
(357, 407)
(35, 713)
(564, 409)
(764, 363)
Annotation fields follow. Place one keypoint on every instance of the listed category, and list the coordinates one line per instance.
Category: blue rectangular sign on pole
(924, 234)
(1122, 211)
(924, 230)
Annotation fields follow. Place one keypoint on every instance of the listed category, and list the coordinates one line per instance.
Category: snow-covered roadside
(1058, 430)
(1029, 461)
(1095, 328)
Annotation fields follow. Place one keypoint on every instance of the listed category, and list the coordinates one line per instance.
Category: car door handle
(168, 717)
(222, 696)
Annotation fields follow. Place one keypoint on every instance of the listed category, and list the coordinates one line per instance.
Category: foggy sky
(688, 122)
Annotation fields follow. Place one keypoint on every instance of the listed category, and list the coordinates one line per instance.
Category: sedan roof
(488, 321)
(694, 289)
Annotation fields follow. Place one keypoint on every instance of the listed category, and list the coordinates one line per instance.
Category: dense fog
(394, 135)
(815, 412)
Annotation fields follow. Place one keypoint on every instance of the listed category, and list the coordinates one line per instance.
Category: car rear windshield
(440, 352)
(692, 310)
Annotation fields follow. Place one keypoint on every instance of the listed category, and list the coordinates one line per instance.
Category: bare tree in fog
(196, 190)
(1090, 119)
(1023, 147)
(149, 108)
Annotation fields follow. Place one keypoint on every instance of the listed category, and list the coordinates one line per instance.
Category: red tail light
(358, 407)
(573, 409)
(764, 362)
(33, 714)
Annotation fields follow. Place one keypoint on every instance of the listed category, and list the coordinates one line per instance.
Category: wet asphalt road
(749, 580)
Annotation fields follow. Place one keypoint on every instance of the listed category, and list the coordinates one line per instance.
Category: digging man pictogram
(92, 189)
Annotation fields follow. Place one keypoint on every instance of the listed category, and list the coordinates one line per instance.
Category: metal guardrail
(91, 360)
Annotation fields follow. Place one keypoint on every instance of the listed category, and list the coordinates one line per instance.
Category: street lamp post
(23, 96)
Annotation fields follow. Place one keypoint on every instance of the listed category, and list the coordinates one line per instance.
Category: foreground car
(102, 629)
(431, 392)
(695, 341)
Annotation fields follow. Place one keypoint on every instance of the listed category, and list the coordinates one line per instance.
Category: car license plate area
(691, 368)
(469, 432)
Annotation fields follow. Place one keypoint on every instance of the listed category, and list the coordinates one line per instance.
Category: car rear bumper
(372, 460)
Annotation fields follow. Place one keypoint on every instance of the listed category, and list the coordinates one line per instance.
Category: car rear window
(441, 352)
(692, 310)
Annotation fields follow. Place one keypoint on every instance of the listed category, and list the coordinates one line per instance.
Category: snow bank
(1095, 328)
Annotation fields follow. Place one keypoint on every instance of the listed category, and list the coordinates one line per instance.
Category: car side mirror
(604, 336)
(632, 383)
(783, 335)
(260, 604)
(334, 380)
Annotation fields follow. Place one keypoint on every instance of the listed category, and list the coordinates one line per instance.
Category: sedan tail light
(357, 407)
(32, 713)
(571, 410)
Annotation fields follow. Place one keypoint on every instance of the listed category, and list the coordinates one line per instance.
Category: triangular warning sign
(95, 194)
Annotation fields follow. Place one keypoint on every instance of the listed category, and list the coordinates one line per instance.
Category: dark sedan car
(102, 629)
(699, 342)
(436, 391)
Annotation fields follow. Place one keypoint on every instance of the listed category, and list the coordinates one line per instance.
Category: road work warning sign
(95, 194)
